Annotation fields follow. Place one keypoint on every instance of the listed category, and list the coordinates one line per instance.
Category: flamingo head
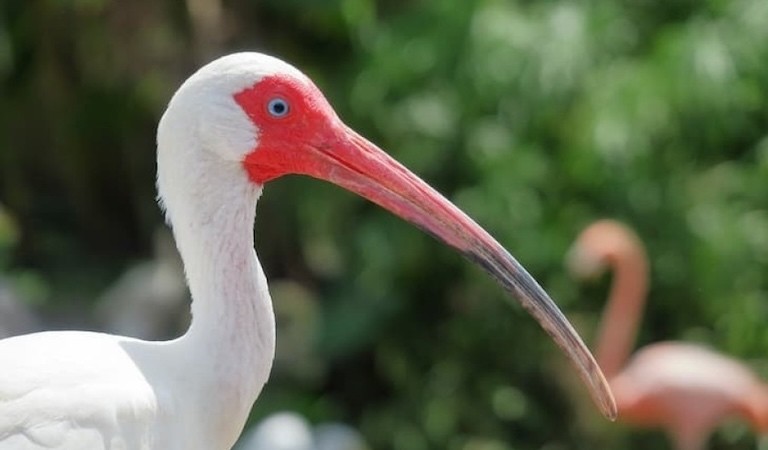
(598, 246)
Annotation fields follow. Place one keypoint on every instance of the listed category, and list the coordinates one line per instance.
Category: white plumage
(90, 391)
(219, 140)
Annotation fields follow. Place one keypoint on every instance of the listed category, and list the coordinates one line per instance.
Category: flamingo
(234, 125)
(683, 388)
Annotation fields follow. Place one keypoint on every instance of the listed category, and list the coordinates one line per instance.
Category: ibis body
(234, 125)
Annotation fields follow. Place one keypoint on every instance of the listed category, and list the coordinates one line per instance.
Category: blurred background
(534, 117)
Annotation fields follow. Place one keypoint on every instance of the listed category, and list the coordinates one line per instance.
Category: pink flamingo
(685, 389)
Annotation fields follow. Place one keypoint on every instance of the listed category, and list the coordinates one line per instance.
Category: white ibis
(236, 124)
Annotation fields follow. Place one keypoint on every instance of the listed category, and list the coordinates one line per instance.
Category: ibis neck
(232, 314)
(230, 344)
(225, 278)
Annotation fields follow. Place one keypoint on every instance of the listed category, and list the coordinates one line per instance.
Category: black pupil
(278, 107)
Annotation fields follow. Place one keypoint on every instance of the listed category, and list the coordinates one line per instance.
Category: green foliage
(534, 117)
(9, 234)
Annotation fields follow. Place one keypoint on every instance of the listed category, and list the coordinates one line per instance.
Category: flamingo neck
(623, 313)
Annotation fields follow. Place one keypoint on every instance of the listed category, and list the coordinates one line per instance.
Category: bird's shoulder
(61, 390)
(63, 357)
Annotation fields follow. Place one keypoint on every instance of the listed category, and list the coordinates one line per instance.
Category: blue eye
(278, 107)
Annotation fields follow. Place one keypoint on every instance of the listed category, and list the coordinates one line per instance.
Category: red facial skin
(312, 140)
(283, 141)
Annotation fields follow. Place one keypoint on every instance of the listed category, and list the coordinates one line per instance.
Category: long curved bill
(352, 162)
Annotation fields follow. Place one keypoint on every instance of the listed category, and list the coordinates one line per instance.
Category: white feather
(90, 391)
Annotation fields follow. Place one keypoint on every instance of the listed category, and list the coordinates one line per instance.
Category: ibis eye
(278, 107)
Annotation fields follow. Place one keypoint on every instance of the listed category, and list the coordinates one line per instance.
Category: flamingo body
(688, 389)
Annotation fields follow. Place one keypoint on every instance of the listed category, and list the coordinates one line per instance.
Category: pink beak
(352, 162)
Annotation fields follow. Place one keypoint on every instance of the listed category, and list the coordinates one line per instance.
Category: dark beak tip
(409, 197)
(610, 410)
(601, 393)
